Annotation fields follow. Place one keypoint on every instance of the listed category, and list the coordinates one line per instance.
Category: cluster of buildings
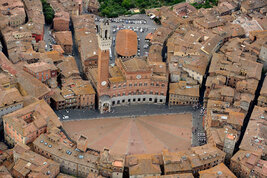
(86, 40)
(11, 99)
(248, 164)
(216, 55)
(54, 151)
(250, 160)
(27, 163)
(22, 35)
(12, 13)
(75, 92)
(222, 51)
(131, 80)
(73, 7)
(29, 122)
(49, 75)
(233, 78)
(218, 51)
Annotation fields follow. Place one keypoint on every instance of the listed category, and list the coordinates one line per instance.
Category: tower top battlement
(104, 39)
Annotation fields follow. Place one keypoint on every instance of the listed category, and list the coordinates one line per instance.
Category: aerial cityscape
(133, 88)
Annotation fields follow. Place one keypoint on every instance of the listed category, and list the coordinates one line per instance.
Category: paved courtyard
(139, 134)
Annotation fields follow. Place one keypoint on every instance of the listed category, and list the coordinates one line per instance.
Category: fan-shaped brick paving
(143, 134)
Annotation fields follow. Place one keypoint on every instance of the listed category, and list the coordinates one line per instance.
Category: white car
(65, 117)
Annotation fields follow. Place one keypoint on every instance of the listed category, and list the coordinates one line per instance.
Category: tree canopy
(206, 4)
(114, 8)
(49, 13)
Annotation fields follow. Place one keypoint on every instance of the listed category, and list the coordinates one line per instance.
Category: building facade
(129, 81)
(111, 165)
(182, 94)
(26, 124)
(72, 160)
(192, 161)
(217, 171)
(64, 39)
(61, 21)
(30, 164)
(10, 101)
(262, 100)
(142, 165)
(13, 11)
(42, 71)
(248, 164)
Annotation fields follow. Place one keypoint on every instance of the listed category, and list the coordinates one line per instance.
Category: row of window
(70, 101)
(192, 75)
(184, 98)
(173, 97)
(16, 22)
(137, 100)
(43, 78)
(207, 166)
(69, 164)
(186, 102)
(11, 107)
(12, 135)
(138, 93)
(139, 84)
(87, 98)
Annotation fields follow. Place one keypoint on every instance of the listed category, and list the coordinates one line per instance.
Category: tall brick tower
(229, 146)
(104, 42)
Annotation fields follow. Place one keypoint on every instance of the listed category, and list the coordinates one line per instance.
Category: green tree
(142, 11)
(49, 13)
(114, 8)
(206, 4)
(127, 4)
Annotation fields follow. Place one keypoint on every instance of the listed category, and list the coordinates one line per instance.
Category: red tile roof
(126, 43)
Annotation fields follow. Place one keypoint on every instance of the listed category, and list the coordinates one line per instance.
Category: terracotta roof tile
(126, 43)
(10, 96)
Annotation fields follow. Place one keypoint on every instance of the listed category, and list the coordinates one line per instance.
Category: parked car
(65, 117)
(146, 46)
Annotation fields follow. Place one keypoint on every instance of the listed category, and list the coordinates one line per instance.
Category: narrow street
(75, 52)
(50, 40)
(48, 37)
